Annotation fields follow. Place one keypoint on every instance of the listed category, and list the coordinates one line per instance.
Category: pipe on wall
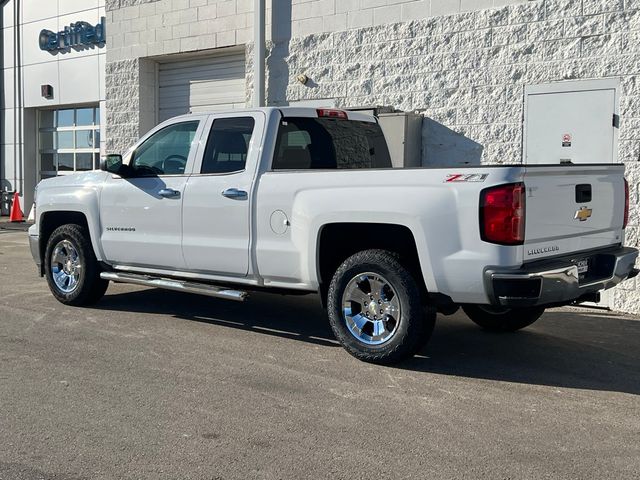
(19, 126)
(258, 53)
(2, 102)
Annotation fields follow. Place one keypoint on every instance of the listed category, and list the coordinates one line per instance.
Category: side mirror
(112, 163)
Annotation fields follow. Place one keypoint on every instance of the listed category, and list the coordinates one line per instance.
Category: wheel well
(52, 220)
(338, 241)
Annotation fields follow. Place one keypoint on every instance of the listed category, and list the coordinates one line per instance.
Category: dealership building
(494, 81)
(52, 91)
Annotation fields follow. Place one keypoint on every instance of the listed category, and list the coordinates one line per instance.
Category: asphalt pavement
(151, 384)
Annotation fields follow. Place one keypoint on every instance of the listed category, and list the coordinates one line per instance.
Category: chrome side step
(177, 285)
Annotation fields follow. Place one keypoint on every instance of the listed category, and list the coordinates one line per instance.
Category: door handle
(235, 194)
(169, 193)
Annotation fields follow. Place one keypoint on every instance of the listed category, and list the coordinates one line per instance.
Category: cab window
(166, 151)
(325, 143)
(228, 145)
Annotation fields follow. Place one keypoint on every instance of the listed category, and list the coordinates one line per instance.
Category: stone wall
(130, 105)
(140, 28)
(468, 71)
(123, 104)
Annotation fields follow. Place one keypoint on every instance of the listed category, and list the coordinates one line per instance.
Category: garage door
(205, 84)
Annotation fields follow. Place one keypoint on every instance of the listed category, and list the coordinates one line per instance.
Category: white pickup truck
(300, 200)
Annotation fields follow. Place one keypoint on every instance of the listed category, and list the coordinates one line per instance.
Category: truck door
(141, 213)
(217, 200)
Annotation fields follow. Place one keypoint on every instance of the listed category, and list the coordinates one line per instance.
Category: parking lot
(156, 384)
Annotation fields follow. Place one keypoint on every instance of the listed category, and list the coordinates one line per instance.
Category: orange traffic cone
(16, 212)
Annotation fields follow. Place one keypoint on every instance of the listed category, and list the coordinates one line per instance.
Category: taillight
(331, 113)
(502, 211)
(626, 204)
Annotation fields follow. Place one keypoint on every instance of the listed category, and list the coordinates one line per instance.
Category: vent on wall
(46, 91)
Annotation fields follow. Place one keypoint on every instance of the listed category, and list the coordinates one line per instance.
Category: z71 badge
(466, 177)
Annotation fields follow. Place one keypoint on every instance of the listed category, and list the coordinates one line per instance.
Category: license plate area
(594, 268)
(583, 268)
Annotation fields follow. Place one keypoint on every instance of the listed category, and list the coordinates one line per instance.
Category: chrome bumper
(34, 245)
(557, 281)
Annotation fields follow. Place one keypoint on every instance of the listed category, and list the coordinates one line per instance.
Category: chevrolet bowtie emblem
(583, 213)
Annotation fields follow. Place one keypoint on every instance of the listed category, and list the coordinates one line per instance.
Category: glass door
(68, 140)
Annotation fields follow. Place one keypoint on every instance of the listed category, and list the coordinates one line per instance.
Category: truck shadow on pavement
(588, 349)
(295, 317)
(569, 348)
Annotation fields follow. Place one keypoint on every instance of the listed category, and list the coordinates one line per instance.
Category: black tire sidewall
(89, 280)
(414, 327)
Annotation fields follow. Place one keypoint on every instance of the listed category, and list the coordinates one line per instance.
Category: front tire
(375, 308)
(71, 268)
(502, 319)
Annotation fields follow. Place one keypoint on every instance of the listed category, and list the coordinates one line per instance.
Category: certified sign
(566, 140)
(78, 35)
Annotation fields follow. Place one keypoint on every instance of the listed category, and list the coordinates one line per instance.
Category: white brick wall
(218, 23)
(123, 104)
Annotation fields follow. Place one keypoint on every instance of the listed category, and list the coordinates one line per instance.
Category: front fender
(65, 198)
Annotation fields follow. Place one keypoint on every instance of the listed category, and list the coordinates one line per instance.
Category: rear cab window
(305, 143)
(228, 145)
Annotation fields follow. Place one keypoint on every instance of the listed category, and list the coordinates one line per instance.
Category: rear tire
(502, 319)
(375, 308)
(71, 268)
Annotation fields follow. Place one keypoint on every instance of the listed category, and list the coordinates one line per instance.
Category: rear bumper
(557, 281)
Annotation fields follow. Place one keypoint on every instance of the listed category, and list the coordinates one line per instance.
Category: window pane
(323, 143)
(46, 140)
(96, 161)
(84, 116)
(79, 131)
(166, 151)
(64, 118)
(228, 145)
(299, 138)
(46, 162)
(46, 119)
(97, 120)
(65, 161)
(84, 161)
(64, 140)
(84, 139)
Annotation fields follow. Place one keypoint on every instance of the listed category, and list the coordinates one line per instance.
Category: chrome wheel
(371, 308)
(65, 266)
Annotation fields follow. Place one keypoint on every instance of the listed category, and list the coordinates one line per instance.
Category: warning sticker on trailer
(566, 140)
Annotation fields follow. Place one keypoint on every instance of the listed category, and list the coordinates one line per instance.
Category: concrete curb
(14, 226)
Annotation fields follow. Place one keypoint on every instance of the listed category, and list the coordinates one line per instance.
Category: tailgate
(572, 208)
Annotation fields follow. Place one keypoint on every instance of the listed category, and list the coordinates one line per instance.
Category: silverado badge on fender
(583, 213)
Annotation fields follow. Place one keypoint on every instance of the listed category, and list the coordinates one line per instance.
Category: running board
(177, 285)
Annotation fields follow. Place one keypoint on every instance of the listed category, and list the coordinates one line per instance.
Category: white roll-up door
(211, 83)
